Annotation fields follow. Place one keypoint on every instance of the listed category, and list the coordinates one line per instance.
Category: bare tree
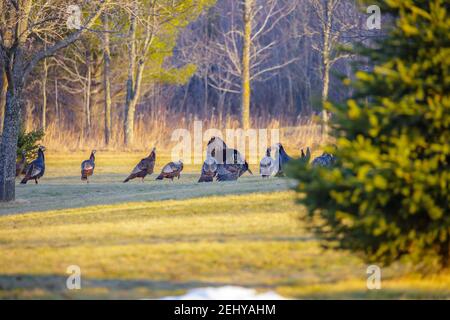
(245, 77)
(337, 22)
(45, 68)
(24, 23)
(137, 54)
(156, 21)
(242, 50)
(292, 57)
(107, 79)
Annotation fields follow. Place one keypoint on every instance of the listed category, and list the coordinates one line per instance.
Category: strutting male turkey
(281, 159)
(87, 167)
(144, 167)
(266, 165)
(232, 172)
(36, 169)
(209, 170)
(230, 163)
(171, 170)
(21, 164)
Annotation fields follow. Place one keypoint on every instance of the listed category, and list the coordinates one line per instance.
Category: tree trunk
(27, 118)
(130, 102)
(291, 104)
(44, 96)
(57, 113)
(107, 81)
(206, 97)
(220, 107)
(88, 93)
(136, 66)
(326, 59)
(9, 143)
(3, 89)
(325, 90)
(130, 109)
(246, 88)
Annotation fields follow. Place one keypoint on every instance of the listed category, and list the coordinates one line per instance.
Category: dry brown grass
(157, 132)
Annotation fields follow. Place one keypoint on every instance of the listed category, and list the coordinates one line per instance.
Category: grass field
(158, 239)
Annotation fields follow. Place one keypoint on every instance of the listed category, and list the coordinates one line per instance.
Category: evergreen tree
(388, 195)
(28, 142)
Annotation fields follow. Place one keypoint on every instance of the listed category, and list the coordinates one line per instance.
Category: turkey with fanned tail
(171, 170)
(230, 163)
(209, 170)
(232, 172)
(281, 159)
(266, 166)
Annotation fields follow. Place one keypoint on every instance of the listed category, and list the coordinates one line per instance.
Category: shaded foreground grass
(159, 248)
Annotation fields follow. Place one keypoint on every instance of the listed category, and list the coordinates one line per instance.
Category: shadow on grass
(54, 287)
(70, 192)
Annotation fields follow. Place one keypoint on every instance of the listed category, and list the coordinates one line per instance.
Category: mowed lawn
(158, 239)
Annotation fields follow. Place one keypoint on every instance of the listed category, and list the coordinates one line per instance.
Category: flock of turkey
(222, 163)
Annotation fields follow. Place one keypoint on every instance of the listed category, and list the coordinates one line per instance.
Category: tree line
(148, 61)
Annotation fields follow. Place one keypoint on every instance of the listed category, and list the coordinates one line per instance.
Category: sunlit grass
(158, 248)
(107, 162)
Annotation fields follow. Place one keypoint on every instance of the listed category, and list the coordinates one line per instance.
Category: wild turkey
(305, 158)
(282, 158)
(36, 169)
(209, 170)
(171, 170)
(217, 149)
(234, 166)
(21, 165)
(266, 165)
(87, 167)
(325, 160)
(143, 168)
(230, 163)
(231, 172)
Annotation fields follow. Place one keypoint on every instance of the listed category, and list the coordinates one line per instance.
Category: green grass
(62, 188)
(156, 239)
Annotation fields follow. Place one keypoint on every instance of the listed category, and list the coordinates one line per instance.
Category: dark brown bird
(144, 167)
(20, 165)
(231, 165)
(209, 170)
(305, 158)
(326, 160)
(282, 158)
(232, 172)
(171, 170)
(87, 167)
(36, 169)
